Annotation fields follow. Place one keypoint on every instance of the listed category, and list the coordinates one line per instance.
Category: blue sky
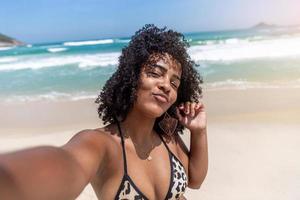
(35, 21)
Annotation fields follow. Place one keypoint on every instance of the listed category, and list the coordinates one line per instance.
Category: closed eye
(174, 84)
(154, 74)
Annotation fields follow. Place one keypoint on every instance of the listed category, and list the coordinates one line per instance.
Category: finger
(181, 106)
(184, 120)
(178, 114)
(187, 107)
(181, 109)
(192, 109)
(199, 106)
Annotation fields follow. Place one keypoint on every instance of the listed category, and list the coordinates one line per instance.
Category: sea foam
(237, 49)
(7, 60)
(91, 42)
(242, 84)
(54, 50)
(50, 96)
(5, 48)
(82, 60)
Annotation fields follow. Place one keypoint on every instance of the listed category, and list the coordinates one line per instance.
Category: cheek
(146, 85)
(144, 90)
(173, 97)
(144, 97)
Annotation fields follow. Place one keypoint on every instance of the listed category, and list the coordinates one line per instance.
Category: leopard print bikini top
(178, 180)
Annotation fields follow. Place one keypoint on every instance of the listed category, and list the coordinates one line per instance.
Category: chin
(152, 109)
(155, 111)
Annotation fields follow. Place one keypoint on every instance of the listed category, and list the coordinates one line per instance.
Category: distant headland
(6, 41)
(263, 25)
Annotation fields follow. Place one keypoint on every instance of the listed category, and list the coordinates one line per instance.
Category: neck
(139, 127)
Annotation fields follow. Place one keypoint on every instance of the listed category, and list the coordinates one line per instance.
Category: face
(158, 85)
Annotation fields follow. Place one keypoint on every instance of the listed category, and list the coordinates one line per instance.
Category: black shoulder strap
(123, 148)
(164, 142)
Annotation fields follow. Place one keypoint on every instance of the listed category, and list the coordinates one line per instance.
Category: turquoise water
(238, 59)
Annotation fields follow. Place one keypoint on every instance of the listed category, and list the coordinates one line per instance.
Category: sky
(38, 21)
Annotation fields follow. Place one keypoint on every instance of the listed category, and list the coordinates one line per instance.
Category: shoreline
(259, 106)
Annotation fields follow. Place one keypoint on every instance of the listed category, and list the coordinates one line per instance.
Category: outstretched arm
(52, 172)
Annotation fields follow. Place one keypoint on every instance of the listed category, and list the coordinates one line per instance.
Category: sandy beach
(253, 138)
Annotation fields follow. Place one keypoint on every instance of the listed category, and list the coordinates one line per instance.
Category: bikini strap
(164, 142)
(123, 148)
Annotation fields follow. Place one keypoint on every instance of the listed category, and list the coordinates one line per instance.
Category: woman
(147, 102)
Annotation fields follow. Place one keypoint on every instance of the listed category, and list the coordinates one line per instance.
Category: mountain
(6, 41)
(263, 25)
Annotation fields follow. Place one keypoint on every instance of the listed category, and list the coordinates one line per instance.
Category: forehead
(165, 60)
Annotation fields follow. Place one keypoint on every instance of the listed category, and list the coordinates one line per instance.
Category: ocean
(237, 59)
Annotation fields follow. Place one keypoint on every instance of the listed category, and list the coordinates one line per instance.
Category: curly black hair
(119, 93)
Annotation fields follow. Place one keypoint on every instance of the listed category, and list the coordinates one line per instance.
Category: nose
(164, 85)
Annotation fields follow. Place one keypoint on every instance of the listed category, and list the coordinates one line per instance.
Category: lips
(161, 97)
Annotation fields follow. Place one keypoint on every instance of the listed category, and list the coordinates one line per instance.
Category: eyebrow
(164, 69)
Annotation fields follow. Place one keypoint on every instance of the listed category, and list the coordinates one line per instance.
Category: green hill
(8, 41)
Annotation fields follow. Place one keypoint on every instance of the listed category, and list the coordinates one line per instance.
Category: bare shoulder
(94, 137)
(93, 140)
(90, 148)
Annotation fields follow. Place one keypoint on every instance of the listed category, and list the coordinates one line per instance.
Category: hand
(194, 117)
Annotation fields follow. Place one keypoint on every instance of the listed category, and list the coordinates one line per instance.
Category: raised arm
(195, 160)
(48, 172)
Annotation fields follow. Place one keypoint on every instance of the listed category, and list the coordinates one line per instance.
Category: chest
(152, 179)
